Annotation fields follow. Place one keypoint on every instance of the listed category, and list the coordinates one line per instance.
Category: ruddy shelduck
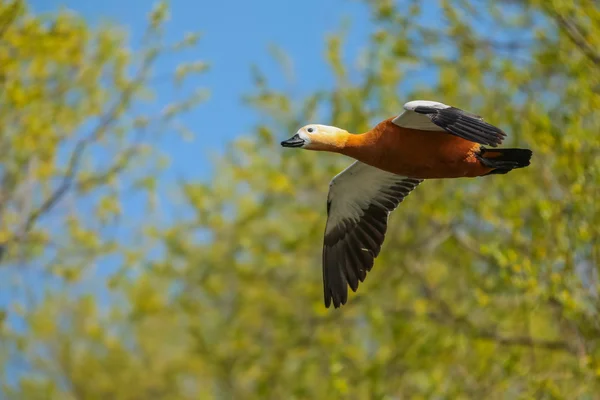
(428, 140)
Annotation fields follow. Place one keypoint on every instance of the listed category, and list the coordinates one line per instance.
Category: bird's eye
(310, 130)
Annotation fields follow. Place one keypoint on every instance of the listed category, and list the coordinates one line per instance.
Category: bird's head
(318, 137)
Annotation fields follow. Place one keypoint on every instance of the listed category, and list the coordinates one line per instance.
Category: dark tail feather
(504, 160)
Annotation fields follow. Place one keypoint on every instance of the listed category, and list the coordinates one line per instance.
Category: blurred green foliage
(485, 288)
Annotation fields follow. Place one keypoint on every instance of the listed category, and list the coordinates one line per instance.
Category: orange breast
(419, 154)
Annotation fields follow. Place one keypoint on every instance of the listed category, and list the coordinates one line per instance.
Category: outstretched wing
(434, 116)
(358, 205)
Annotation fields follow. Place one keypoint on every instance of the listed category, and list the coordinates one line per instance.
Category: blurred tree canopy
(75, 143)
(485, 288)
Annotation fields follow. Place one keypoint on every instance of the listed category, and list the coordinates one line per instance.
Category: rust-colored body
(414, 153)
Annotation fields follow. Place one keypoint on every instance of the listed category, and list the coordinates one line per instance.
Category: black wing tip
(341, 298)
(464, 124)
(328, 299)
(337, 302)
(338, 295)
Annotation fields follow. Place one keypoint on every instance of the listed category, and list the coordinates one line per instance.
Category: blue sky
(236, 34)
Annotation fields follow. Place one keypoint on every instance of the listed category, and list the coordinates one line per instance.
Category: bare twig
(524, 341)
(507, 45)
(574, 33)
(118, 166)
(468, 243)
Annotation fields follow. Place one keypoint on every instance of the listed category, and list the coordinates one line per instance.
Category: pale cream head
(318, 137)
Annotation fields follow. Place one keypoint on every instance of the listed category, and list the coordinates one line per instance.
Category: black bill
(294, 141)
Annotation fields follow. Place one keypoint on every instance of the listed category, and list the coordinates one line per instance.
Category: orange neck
(360, 146)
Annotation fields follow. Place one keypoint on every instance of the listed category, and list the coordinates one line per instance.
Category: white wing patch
(412, 120)
(411, 105)
(354, 189)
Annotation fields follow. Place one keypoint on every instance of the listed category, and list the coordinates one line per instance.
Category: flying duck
(429, 140)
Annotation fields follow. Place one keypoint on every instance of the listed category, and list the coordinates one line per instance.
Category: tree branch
(118, 166)
(574, 33)
(9, 17)
(80, 147)
(487, 333)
